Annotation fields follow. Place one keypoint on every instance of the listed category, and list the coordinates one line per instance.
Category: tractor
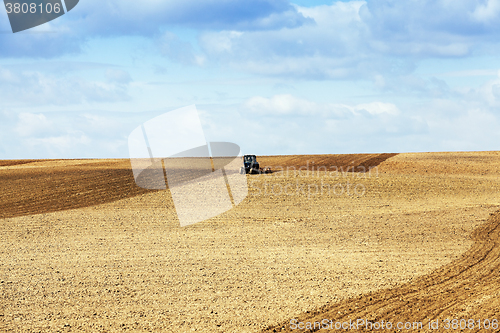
(252, 166)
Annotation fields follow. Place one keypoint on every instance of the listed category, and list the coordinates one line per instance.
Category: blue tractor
(250, 165)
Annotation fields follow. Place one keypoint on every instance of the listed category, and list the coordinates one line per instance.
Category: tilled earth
(393, 244)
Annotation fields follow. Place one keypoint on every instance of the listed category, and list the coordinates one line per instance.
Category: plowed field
(34, 187)
(412, 239)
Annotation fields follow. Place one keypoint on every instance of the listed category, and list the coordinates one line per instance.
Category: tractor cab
(250, 164)
(250, 159)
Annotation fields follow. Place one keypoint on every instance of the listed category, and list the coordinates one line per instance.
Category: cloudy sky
(273, 76)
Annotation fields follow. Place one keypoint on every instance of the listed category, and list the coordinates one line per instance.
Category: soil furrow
(439, 300)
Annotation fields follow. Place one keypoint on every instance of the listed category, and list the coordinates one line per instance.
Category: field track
(468, 288)
(27, 188)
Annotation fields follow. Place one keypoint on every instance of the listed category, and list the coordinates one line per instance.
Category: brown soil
(468, 288)
(16, 162)
(44, 186)
(345, 162)
(399, 235)
(49, 186)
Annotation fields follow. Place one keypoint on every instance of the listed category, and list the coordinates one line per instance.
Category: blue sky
(273, 76)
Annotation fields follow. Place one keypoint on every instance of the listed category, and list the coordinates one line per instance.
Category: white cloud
(287, 124)
(222, 42)
(118, 76)
(329, 48)
(489, 92)
(290, 105)
(8, 77)
(60, 145)
(487, 12)
(115, 18)
(346, 13)
(471, 73)
(67, 134)
(360, 39)
(376, 108)
(173, 47)
(27, 88)
(281, 105)
(33, 125)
